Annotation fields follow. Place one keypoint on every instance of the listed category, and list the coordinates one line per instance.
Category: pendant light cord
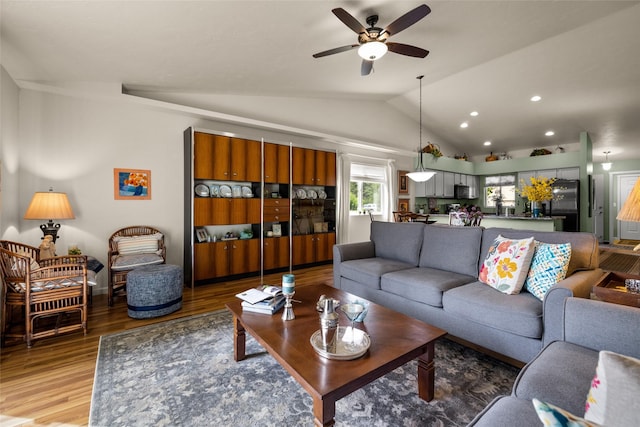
(420, 121)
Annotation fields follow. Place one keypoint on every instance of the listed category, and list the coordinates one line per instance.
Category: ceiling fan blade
(408, 19)
(348, 20)
(408, 50)
(366, 67)
(335, 50)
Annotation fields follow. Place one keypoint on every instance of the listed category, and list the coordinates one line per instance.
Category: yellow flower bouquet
(540, 189)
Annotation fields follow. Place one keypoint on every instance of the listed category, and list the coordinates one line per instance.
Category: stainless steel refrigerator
(567, 203)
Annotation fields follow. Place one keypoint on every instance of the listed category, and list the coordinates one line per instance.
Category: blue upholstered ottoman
(154, 290)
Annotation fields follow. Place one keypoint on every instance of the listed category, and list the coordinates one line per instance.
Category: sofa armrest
(579, 285)
(601, 325)
(348, 251)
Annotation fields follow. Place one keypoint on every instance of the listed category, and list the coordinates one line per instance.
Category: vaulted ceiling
(254, 59)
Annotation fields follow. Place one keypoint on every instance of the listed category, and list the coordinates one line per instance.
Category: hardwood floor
(51, 383)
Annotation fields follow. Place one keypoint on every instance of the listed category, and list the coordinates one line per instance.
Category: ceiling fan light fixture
(371, 51)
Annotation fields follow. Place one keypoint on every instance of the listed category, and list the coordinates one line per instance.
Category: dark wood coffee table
(395, 340)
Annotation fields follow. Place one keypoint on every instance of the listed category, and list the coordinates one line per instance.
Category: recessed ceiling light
(549, 133)
(464, 125)
(536, 98)
(487, 143)
(473, 114)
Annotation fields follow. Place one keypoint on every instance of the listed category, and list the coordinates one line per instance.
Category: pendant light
(420, 175)
(607, 164)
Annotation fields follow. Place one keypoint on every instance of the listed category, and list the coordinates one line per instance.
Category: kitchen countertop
(510, 217)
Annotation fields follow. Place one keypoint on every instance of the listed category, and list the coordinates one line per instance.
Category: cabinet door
(238, 211)
(320, 167)
(309, 167)
(270, 253)
(568, 173)
(430, 185)
(245, 256)
(203, 147)
(283, 164)
(420, 189)
(253, 159)
(204, 261)
(221, 211)
(298, 165)
(448, 190)
(202, 211)
(324, 246)
(238, 159)
(221, 261)
(282, 258)
(330, 179)
(270, 162)
(439, 184)
(303, 252)
(253, 211)
(221, 157)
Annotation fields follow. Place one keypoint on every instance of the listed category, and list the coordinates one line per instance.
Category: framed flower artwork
(132, 184)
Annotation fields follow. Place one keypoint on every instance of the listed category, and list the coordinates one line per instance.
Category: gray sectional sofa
(430, 272)
(562, 373)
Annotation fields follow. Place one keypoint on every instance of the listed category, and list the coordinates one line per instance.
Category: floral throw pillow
(552, 416)
(613, 397)
(548, 267)
(507, 263)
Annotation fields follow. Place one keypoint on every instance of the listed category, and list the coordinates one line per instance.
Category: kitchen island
(520, 222)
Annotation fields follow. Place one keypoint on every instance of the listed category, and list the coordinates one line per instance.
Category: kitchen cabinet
(276, 163)
(568, 173)
(563, 173)
(440, 185)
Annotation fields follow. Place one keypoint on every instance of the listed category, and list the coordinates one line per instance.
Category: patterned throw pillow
(552, 416)
(507, 263)
(138, 244)
(548, 267)
(614, 391)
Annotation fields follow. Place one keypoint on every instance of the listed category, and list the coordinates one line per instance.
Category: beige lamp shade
(631, 209)
(49, 205)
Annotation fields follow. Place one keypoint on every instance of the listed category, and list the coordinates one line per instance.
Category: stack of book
(264, 299)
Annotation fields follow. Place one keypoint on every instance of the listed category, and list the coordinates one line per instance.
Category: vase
(535, 209)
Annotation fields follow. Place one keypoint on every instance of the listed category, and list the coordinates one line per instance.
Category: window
(367, 187)
(500, 187)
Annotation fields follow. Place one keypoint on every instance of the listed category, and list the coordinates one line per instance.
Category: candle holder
(287, 313)
(288, 290)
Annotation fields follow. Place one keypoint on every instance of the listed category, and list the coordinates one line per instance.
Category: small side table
(611, 288)
(94, 265)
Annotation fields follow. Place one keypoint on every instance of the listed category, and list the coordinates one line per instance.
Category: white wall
(9, 215)
(72, 143)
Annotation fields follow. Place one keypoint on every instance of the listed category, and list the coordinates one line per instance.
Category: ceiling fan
(372, 41)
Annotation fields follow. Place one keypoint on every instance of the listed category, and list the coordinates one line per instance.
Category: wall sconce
(607, 164)
(49, 205)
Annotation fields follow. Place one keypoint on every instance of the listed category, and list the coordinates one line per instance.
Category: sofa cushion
(368, 271)
(425, 285)
(400, 241)
(560, 374)
(519, 314)
(144, 244)
(584, 246)
(548, 267)
(453, 249)
(553, 416)
(507, 263)
(614, 391)
(131, 261)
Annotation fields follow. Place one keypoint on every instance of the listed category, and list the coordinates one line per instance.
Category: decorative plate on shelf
(225, 191)
(301, 194)
(237, 191)
(202, 190)
(214, 190)
(322, 194)
(246, 192)
(312, 194)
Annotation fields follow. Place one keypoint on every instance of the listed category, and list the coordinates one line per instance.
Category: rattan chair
(117, 261)
(50, 296)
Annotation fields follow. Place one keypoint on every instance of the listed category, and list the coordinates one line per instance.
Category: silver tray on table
(343, 350)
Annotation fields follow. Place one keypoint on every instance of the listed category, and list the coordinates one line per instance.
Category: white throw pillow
(145, 244)
(507, 263)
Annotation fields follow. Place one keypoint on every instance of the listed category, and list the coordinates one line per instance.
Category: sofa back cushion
(399, 241)
(584, 246)
(451, 248)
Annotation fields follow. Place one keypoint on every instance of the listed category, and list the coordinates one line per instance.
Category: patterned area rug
(182, 373)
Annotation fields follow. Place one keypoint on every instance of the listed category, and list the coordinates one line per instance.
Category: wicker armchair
(132, 247)
(37, 290)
